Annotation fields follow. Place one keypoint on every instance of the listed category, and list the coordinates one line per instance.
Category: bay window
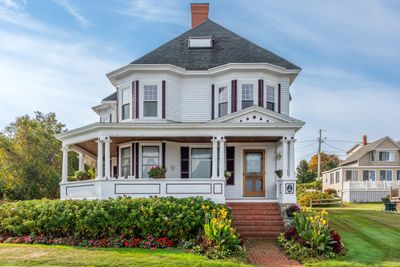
(386, 175)
(126, 161)
(247, 95)
(270, 98)
(201, 162)
(150, 158)
(222, 101)
(126, 104)
(150, 101)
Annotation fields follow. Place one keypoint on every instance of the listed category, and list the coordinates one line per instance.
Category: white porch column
(291, 158)
(107, 168)
(81, 162)
(99, 159)
(64, 176)
(222, 157)
(214, 172)
(285, 159)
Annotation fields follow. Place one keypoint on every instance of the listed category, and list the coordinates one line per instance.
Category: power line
(344, 141)
(306, 141)
(335, 147)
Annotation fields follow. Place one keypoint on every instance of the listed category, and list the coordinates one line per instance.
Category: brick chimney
(364, 140)
(199, 13)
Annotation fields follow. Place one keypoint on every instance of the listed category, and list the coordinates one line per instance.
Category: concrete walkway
(267, 253)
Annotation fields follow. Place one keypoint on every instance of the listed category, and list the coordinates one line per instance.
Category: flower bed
(191, 223)
(310, 237)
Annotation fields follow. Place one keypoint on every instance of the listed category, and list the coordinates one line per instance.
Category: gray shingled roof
(228, 47)
(112, 97)
(361, 152)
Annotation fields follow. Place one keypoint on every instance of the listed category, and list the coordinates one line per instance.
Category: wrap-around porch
(219, 167)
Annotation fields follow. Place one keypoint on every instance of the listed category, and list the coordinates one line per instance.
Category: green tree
(30, 158)
(304, 175)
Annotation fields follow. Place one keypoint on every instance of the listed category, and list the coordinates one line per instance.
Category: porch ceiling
(91, 146)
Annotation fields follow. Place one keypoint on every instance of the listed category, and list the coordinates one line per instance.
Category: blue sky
(54, 55)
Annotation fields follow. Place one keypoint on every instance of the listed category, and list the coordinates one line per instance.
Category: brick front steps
(257, 220)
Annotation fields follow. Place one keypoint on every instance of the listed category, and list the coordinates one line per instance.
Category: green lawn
(371, 236)
(42, 255)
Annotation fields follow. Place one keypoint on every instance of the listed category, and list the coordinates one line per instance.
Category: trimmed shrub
(176, 219)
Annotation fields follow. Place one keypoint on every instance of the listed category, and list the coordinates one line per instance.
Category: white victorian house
(206, 102)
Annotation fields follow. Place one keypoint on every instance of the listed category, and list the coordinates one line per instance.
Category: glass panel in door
(254, 173)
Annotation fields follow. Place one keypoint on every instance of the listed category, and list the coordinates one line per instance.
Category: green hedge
(177, 219)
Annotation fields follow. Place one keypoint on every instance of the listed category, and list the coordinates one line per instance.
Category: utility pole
(319, 153)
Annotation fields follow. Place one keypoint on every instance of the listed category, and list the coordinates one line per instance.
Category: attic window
(200, 42)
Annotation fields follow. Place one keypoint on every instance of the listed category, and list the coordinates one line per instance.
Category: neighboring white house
(368, 173)
(206, 102)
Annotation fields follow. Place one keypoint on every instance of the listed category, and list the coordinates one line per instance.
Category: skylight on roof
(200, 42)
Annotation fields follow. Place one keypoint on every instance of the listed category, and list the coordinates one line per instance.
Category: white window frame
(192, 145)
(142, 84)
(191, 159)
(332, 178)
(369, 175)
(352, 175)
(120, 159)
(266, 96)
(390, 152)
(251, 85)
(239, 92)
(337, 177)
(227, 100)
(129, 93)
(386, 175)
(108, 116)
(141, 145)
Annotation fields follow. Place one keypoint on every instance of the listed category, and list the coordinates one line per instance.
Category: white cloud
(73, 11)
(170, 12)
(12, 11)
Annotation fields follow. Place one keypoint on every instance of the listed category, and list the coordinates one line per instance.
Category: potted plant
(227, 175)
(292, 209)
(279, 173)
(157, 172)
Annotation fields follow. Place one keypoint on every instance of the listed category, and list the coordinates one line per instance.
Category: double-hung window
(126, 104)
(247, 95)
(332, 178)
(201, 162)
(222, 101)
(125, 162)
(150, 158)
(337, 177)
(387, 156)
(270, 98)
(386, 175)
(150, 101)
(368, 175)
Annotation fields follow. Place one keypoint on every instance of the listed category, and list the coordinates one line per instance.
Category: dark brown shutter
(137, 160)
(116, 173)
(279, 97)
(133, 158)
(184, 162)
(110, 117)
(163, 154)
(234, 96)
(117, 111)
(137, 100)
(212, 101)
(133, 99)
(261, 93)
(163, 99)
(230, 164)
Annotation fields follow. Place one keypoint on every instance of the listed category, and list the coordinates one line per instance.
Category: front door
(254, 173)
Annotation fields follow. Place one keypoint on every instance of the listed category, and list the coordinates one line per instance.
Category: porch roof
(90, 147)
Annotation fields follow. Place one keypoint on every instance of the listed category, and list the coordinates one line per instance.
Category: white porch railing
(368, 185)
(213, 189)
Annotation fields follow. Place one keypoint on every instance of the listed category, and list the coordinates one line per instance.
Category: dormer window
(247, 95)
(150, 101)
(125, 104)
(200, 42)
(222, 101)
